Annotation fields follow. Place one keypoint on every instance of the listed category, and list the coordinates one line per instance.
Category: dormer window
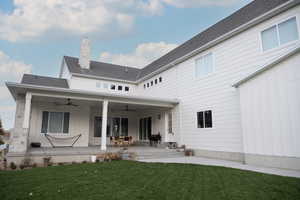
(113, 87)
(120, 87)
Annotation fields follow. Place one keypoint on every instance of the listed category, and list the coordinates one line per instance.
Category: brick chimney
(85, 51)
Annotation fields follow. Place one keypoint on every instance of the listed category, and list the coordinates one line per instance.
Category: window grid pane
(55, 122)
(200, 120)
(208, 119)
(269, 38)
(204, 65)
(288, 31)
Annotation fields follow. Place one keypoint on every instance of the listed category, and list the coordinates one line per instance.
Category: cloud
(144, 54)
(10, 70)
(199, 3)
(31, 19)
(34, 18)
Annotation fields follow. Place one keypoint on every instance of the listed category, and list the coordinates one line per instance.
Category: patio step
(162, 154)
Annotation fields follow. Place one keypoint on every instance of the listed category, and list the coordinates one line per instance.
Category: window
(148, 85)
(98, 84)
(112, 87)
(204, 65)
(204, 119)
(144, 86)
(170, 123)
(126, 88)
(280, 34)
(105, 85)
(55, 122)
(120, 87)
(269, 38)
(151, 83)
(160, 79)
(155, 81)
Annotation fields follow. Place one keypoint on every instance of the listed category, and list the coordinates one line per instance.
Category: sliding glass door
(116, 126)
(145, 128)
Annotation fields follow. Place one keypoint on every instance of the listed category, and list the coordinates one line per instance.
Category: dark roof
(44, 81)
(240, 17)
(103, 69)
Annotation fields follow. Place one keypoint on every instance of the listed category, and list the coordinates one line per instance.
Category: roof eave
(12, 85)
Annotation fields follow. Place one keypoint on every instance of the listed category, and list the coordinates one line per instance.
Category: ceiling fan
(69, 103)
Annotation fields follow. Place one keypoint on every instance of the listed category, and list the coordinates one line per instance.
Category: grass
(133, 180)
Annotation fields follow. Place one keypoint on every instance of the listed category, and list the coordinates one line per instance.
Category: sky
(36, 34)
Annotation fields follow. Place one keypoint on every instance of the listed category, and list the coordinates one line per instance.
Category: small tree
(2, 132)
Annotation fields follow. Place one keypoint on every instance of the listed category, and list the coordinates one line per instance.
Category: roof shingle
(44, 81)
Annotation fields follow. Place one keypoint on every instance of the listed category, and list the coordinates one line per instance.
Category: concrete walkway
(225, 163)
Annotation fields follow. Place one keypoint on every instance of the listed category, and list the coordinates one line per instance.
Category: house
(231, 92)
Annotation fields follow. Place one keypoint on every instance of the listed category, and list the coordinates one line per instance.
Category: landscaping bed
(134, 180)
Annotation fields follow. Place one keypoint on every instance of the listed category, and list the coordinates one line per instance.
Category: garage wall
(270, 109)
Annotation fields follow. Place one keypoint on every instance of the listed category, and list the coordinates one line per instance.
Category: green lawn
(132, 180)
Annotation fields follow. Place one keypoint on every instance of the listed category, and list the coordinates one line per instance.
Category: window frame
(201, 57)
(276, 24)
(48, 122)
(204, 125)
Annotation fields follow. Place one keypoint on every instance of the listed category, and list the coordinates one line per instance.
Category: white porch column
(27, 110)
(104, 124)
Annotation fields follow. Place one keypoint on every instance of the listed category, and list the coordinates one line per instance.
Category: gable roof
(268, 66)
(233, 24)
(44, 81)
(101, 69)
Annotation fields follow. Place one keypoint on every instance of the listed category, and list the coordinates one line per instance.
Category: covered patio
(96, 117)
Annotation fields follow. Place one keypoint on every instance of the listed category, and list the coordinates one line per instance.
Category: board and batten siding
(270, 107)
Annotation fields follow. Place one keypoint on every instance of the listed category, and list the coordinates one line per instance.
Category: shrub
(26, 162)
(84, 162)
(13, 166)
(74, 162)
(22, 166)
(34, 165)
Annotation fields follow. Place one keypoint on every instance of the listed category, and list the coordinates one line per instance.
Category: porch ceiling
(85, 96)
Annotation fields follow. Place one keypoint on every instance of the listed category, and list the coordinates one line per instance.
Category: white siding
(270, 106)
(88, 84)
(233, 58)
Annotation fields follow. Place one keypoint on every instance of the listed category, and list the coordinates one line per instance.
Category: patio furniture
(121, 140)
(50, 137)
(155, 139)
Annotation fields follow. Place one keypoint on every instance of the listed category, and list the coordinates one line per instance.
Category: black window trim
(204, 120)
